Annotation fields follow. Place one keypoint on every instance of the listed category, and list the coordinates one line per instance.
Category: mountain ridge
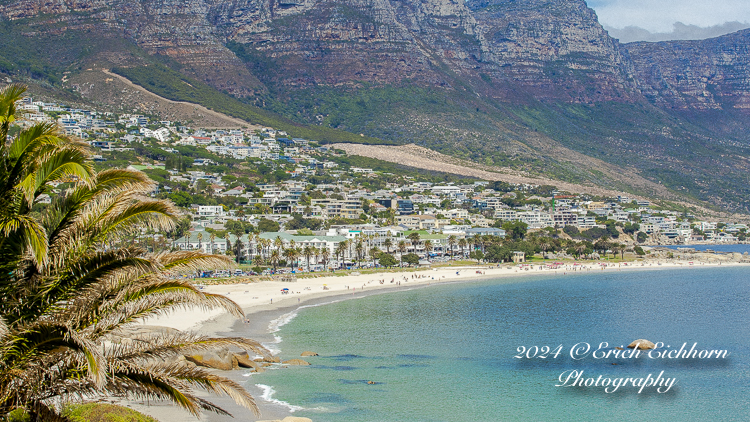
(500, 82)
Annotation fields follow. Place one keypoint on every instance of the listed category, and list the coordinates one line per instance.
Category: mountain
(535, 85)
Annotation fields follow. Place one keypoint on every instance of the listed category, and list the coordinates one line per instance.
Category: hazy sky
(660, 16)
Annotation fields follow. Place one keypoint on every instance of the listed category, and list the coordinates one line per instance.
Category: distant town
(257, 194)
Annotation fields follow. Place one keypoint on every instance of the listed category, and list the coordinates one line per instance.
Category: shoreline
(264, 304)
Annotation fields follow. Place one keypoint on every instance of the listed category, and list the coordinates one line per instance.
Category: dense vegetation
(170, 84)
(73, 275)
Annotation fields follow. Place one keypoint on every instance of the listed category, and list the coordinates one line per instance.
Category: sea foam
(268, 393)
(275, 325)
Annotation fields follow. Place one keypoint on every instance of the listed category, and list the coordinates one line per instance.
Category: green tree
(516, 230)
(630, 228)
(387, 260)
(266, 225)
(477, 254)
(411, 259)
(62, 292)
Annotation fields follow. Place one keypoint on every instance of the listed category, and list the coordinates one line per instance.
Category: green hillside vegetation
(170, 84)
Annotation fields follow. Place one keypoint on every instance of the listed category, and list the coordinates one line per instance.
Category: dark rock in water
(641, 344)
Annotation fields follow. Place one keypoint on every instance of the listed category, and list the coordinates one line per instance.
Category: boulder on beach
(641, 344)
(244, 361)
(309, 354)
(127, 335)
(295, 362)
(216, 359)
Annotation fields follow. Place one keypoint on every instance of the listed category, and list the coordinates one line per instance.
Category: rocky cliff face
(710, 74)
(520, 83)
(177, 29)
(507, 49)
(557, 49)
(353, 41)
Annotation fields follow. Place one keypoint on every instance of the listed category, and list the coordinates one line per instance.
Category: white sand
(267, 295)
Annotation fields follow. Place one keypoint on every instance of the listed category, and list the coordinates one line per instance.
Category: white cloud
(659, 16)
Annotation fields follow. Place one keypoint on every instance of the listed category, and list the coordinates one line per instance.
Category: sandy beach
(266, 304)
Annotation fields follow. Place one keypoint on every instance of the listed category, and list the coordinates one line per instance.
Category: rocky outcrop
(641, 344)
(556, 49)
(709, 74)
(308, 354)
(296, 362)
(269, 359)
(215, 359)
(244, 361)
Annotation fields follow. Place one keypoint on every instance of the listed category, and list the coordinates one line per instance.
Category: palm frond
(65, 165)
(26, 230)
(120, 180)
(168, 345)
(159, 297)
(188, 261)
(8, 98)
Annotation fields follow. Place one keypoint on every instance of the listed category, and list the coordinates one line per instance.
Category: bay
(446, 352)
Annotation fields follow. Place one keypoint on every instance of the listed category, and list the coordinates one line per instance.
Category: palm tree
(452, 243)
(275, 258)
(238, 248)
(427, 247)
(308, 252)
(374, 252)
(259, 250)
(401, 250)
(388, 243)
(580, 248)
(359, 248)
(289, 254)
(341, 249)
(325, 254)
(544, 245)
(211, 242)
(278, 243)
(200, 239)
(266, 246)
(462, 242)
(64, 293)
(297, 255)
(414, 238)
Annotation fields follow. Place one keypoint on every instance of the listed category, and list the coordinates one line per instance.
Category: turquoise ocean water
(446, 352)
